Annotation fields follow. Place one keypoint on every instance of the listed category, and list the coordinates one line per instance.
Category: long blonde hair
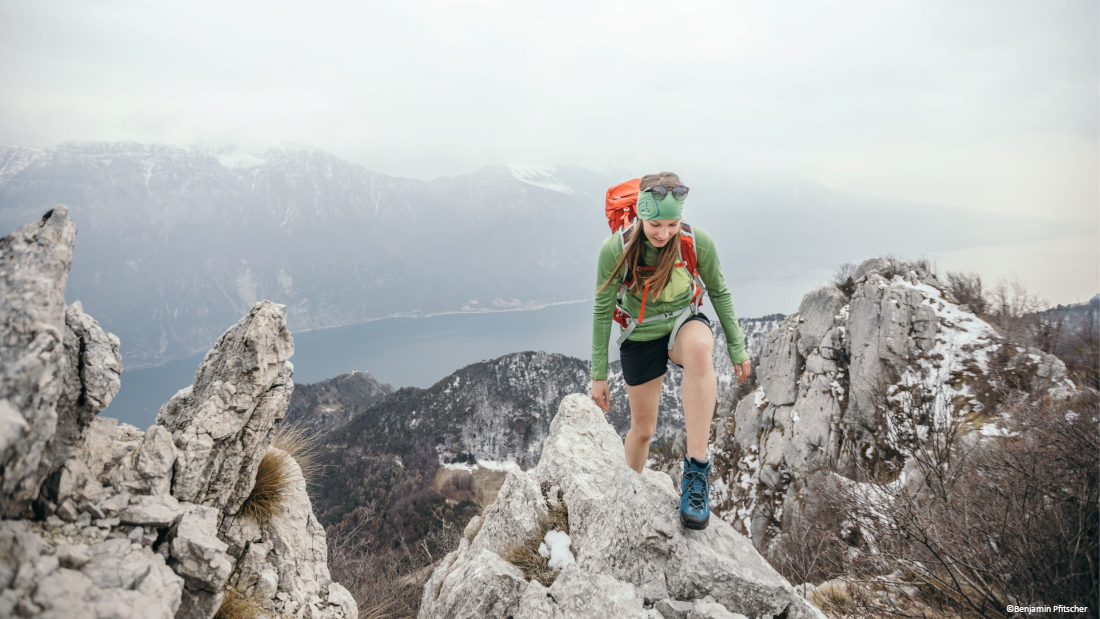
(635, 250)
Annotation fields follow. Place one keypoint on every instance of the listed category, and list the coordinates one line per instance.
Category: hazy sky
(989, 104)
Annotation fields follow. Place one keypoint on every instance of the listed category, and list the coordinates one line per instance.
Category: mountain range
(176, 243)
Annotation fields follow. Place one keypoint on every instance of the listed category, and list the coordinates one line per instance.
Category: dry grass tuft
(236, 605)
(559, 518)
(831, 597)
(292, 450)
(526, 556)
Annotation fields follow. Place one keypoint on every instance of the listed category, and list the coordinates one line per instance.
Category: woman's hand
(601, 395)
(742, 370)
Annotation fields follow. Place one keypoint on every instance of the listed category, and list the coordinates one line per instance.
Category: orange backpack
(622, 215)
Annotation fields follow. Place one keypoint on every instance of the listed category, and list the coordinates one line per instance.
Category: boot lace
(696, 490)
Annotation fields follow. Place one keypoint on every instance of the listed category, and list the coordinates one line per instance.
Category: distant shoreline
(448, 313)
(363, 322)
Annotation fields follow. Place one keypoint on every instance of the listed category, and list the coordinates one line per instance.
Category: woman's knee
(699, 353)
(642, 432)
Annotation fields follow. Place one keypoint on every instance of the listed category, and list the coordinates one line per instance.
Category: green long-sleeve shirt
(675, 297)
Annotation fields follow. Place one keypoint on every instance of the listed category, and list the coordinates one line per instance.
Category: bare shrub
(810, 550)
(893, 266)
(1080, 347)
(967, 289)
(1010, 519)
(1017, 314)
(387, 583)
(844, 280)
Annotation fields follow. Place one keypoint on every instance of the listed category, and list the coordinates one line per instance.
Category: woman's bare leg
(644, 399)
(699, 389)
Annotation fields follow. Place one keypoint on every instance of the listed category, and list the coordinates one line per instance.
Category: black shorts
(644, 361)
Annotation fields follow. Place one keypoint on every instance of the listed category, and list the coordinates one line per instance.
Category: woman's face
(659, 231)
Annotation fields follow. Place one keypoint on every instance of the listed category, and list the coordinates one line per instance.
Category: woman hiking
(657, 310)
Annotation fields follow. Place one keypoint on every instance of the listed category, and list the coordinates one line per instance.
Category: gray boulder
(117, 529)
(47, 573)
(824, 376)
(223, 423)
(630, 547)
(57, 366)
(283, 562)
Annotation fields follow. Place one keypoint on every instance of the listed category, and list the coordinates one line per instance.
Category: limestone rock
(112, 462)
(158, 510)
(779, 369)
(86, 577)
(514, 515)
(673, 609)
(284, 561)
(825, 374)
(817, 313)
(57, 366)
(223, 423)
(625, 530)
(576, 594)
(711, 610)
(481, 586)
(109, 534)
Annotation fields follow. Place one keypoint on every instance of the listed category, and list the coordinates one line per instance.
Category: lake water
(418, 352)
(404, 352)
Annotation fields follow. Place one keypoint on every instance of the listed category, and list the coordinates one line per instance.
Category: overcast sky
(987, 104)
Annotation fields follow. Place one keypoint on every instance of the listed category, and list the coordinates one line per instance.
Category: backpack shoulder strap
(687, 248)
(627, 236)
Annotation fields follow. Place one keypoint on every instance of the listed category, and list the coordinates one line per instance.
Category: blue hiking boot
(695, 494)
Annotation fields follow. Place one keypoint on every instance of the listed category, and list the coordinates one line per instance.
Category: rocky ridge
(830, 375)
(331, 403)
(633, 558)
(104, 520)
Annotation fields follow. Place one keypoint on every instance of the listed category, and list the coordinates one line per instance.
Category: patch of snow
(992, 429)
(760, 398)
(843, 313)
(1072, 417)
(556, 548)
(494, 465)
(836, 389)
(239, 160)
(539, 176)
(460, 466)
(961, 337)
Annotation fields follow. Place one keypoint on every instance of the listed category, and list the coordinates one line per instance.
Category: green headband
(650, 208)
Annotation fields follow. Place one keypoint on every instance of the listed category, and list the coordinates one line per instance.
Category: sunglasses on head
(660, 191)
